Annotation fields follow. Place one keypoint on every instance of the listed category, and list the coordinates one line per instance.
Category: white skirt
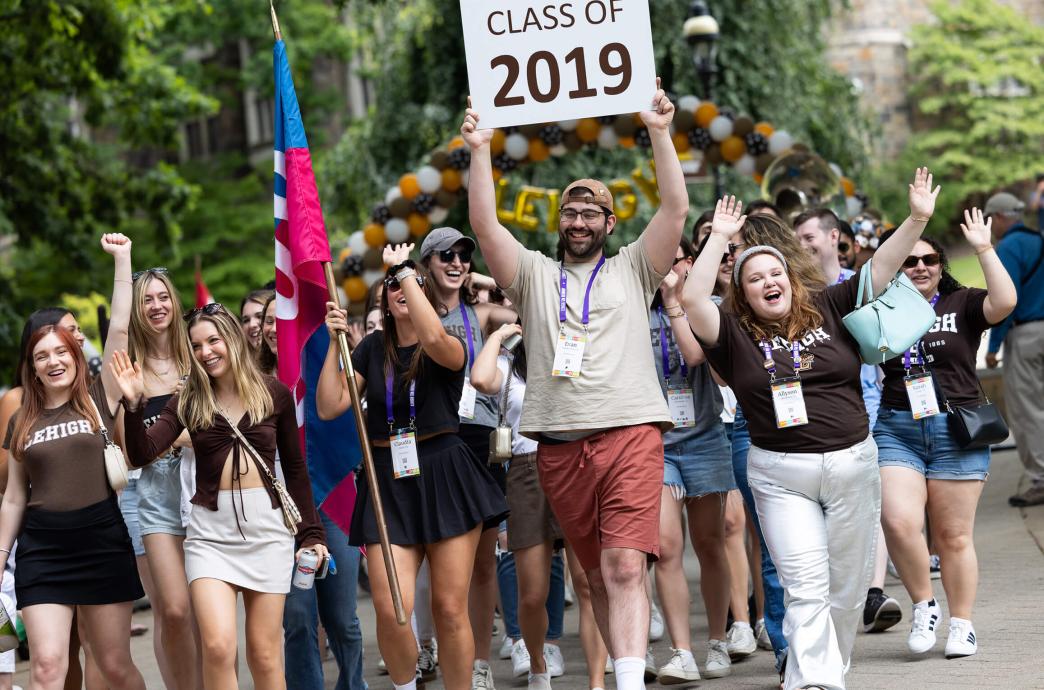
(261, 559)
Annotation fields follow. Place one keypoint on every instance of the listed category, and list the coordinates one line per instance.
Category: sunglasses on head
(157, 270)
(446, 255)
(206, 310)
(929, 260)
(392, 283)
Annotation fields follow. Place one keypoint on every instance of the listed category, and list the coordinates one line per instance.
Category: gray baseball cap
(443, 238)
(1003, 202)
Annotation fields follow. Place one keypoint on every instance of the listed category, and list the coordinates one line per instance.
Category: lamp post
(701, 33)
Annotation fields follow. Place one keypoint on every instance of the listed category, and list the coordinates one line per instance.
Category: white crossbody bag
(115, 464)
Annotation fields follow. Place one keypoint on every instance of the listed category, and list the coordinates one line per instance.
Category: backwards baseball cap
(599, 193)
(440, 239)
(1003, 202)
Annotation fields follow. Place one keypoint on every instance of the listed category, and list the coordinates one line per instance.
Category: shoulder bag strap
(866, 285)
(504, 391)
(101, 421)
(925, 364)
(254, 455)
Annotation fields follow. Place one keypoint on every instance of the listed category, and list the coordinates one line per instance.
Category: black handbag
(973, 426)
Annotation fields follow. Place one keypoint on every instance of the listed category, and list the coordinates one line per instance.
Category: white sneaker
(650, 665)
(505, 647)
(609, 668)
(520, 663)
(539, 681)
(427, 661)
(553, 660)
(482, 676)
(761, 633)
(655, 624)
(740, 641)
(961, 641)
(718, 663)
(381, 666)
(926, 616)
(892, 570)
(680, 669)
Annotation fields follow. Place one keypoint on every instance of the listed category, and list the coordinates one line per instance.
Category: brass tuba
(799, 179)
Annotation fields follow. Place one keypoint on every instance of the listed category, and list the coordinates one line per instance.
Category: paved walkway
(1007, 618)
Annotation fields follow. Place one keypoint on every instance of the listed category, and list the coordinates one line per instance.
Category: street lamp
(701, 33)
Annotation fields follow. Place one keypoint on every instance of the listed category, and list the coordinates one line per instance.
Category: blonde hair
(197, 403)
(143, 334)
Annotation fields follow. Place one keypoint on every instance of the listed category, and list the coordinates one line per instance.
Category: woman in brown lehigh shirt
(237, 541)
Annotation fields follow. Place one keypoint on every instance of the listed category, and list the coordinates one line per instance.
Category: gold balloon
(504, 215)
(552, 214)
(523, 216)
(625, 201)
(647, 185)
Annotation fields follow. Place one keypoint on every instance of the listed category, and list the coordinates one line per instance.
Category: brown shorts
(605, 490)
(531, 521)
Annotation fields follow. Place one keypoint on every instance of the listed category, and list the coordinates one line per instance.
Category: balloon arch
(421, 200)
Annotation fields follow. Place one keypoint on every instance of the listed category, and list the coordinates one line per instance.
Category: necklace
(160, 374)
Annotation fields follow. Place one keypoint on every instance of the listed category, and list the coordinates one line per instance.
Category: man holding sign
(593, 400)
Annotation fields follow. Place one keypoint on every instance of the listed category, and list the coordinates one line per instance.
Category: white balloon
(396, 230)
(836, 168)
(516, 146)
(607, 138)
(568, 125)
(558, 150)
(689, 103)
(780, 141)
(465, 177)
(429, 179)
(357, 242)
(745, 165)
(853, 206)
(392, 194)
(720, 128)
(438, 215)
(372, 276)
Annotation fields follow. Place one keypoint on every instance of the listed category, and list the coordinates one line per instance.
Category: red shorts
(605, 490)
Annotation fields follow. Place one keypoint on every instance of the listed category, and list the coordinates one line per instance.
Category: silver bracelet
(405, 273)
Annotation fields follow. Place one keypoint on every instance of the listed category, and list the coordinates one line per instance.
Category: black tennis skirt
(76, 557)
(453, 494)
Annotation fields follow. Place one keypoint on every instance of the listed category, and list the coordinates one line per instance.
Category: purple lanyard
(770, 363)
(388, 403)
(467, 327)
(666, 353)
(840, 279)
(907, 356)
(562, 280)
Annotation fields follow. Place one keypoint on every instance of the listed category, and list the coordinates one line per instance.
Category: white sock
(412, 685)
(630, 673)
(955, 619)
(740, 625)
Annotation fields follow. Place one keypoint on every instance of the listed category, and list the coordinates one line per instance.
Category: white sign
(535, 61)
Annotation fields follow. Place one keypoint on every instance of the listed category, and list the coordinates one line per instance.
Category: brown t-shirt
(278, 431)
(829, 379)
(950, 347)
(65, 456)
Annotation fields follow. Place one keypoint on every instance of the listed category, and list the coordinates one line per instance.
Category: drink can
(304, 572)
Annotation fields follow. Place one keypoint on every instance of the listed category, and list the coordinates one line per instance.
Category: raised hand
(393, 256)
(669, 287)
(128, 376)
(662, 111)
(473, 136)
(505, 331)
(116, 243)
(978, 233)
(922, 196)
(336, 320)
(727, 219)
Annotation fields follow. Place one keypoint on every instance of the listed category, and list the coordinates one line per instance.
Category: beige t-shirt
(618, 385)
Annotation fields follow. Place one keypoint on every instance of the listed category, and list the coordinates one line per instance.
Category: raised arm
(119, 246)
(332, 398)
(499, 247)
(890, 255)
(485, 375)
(1002, 296)
(687, 344)
(665, 229)
(143, 445)
(700, 309)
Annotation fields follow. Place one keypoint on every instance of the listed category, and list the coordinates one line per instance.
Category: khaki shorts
(531, 521)
(605, 490)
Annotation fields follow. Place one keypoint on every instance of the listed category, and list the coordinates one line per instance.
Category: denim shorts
(129, 508)
(159, 497)
(926, 445)
(701, 465)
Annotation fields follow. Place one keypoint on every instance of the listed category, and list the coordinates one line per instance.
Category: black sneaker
(880, 611)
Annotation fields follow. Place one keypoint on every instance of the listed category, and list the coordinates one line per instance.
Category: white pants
(819, 513)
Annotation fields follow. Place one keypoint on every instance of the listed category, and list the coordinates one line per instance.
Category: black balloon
(400, 207)
(423, 203)
(380, 214)
(700, 138)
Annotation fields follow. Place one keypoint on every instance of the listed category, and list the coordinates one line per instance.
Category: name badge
(569, 355)
(789, 403)
(404, 453)
(921, 392)
(682, 406)
(466, 409)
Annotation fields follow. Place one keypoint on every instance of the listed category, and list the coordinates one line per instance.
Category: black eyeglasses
(590, 215)
(392, 283)
(206, 310)
(446, 255)
(157, 270)
(929, 260)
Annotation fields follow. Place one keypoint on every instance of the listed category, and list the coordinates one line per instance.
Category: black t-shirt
(950, 347)
(437, 393)
(829, 379)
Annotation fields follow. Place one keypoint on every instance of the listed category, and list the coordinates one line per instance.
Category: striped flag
(301, 246)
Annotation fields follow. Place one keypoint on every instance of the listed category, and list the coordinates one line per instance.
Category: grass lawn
(967, 271)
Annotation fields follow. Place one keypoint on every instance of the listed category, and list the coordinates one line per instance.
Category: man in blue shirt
(1021, 250)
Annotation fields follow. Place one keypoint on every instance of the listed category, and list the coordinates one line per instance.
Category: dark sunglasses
(727, 255)
(392, 283)
(929, 260)
(157, 270)
(206, 310)
(843, 247)
(446, 255)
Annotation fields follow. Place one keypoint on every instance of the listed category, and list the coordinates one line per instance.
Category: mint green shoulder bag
(889, 325)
